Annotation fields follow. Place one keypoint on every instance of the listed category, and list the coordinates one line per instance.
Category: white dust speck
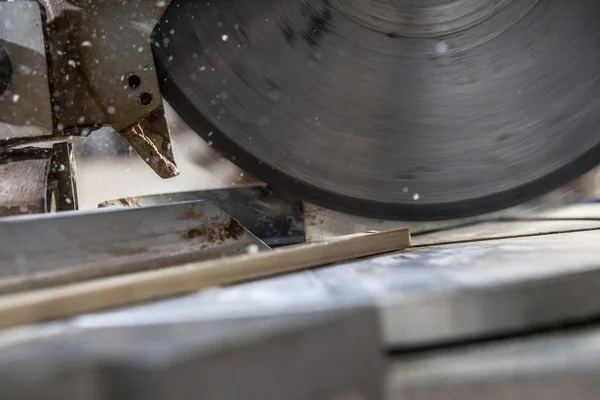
(416, 196)
(111, 110)
(224, 38)
(25, 70)
(252, 249)
(441, 47)
(15, 98)
(405, 190)
(86, 43)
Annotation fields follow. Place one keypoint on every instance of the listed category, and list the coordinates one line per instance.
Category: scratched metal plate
(52, 249)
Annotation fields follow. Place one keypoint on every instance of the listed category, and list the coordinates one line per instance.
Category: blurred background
(107, 167)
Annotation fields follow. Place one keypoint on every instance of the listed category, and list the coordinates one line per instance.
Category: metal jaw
(102, 73)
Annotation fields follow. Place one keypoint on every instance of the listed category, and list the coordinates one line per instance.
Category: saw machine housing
(68, 69)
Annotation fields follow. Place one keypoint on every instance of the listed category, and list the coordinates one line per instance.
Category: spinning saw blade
(397, 109)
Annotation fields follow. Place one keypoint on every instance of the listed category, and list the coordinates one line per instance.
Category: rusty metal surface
(71, 246)
(103, 74)
(62, 179)
(37, 180)
(103, 42)
(273, 220)
(150, 139)
(24, 181)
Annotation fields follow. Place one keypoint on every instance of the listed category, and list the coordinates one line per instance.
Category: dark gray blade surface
(391, 108)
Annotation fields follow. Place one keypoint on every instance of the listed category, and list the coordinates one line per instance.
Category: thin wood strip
(69, 300)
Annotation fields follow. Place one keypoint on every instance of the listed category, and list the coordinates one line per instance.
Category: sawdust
(216, 232)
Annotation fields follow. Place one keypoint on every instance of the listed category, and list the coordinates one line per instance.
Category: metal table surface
(453, 288)
(557, 365)
(426, 295)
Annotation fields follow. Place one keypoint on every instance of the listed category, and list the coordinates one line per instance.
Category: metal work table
(433, 316)
(559, 365)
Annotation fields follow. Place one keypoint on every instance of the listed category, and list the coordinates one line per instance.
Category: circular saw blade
(396, 109)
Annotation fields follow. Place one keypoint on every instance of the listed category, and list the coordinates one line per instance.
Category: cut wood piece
(69, 300)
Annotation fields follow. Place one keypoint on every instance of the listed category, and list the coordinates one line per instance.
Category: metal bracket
(36, 180)
(103, 74)
(61, 182)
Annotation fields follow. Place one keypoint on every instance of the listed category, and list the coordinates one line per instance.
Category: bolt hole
(134, 81)
(145, 99)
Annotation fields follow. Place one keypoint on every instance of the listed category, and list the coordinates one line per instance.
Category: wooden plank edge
(134, 288)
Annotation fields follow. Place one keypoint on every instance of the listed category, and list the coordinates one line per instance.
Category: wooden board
(69, 300)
